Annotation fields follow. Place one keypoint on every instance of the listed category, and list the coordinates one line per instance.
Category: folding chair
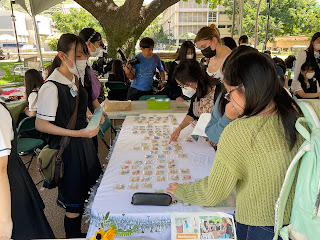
(146, 97)
(26, 144)
(103, 128)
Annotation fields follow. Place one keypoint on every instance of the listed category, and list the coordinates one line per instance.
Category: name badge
(73, 92)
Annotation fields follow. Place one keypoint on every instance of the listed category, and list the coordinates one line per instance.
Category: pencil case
(153, 199)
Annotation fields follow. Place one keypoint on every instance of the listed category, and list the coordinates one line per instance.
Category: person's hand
(175, 135)
(1, 92)
(84, 134)
(128, 65)
(179, 99)
(104, 114)
(102, 119)
(172, 187)
(26, 109)
(6, 230)
(286, 77)
(162, 85)
(231, 112)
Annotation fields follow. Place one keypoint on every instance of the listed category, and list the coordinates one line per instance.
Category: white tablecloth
(200, 156)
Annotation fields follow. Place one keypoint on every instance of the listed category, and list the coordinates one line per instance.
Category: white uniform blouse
(48, 96)
(6, 132)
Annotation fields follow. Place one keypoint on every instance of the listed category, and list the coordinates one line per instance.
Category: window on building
(229, 26)
(212, 16)
(222, 26)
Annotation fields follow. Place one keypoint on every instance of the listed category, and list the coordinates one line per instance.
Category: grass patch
(9, 77)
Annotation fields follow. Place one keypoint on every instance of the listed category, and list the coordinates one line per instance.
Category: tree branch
(133, 7)
(98, 7)
(152, 10)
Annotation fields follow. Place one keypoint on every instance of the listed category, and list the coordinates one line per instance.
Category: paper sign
(209, 225)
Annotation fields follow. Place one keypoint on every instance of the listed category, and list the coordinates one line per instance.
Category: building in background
(24, 26)
(184, 19)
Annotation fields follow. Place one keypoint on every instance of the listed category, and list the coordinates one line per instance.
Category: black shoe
(72, 227)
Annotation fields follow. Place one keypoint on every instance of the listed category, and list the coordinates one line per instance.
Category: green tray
(160, 103)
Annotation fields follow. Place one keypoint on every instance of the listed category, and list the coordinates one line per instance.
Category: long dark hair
(89, 34)
(65, 44)
(314, 37)
(117, 70)
(229, 42)
(33, 80)
(189, 71)
(182, 54)
(237, 51)
(313, 84)
(262, 85)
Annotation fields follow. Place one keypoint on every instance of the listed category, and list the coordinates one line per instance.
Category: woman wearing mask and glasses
(254, 151)
(224, 112)
(209, 42)
(197, 86)
(186, 51)
(56, 104)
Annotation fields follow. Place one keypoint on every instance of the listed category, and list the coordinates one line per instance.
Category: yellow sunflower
(109, 235)
(98, 234)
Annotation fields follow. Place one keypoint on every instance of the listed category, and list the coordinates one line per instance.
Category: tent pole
(37, 34)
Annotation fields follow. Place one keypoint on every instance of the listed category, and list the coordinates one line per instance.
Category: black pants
(135, 94)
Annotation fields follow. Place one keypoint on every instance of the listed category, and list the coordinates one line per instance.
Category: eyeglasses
(228, 94)
(183, 85)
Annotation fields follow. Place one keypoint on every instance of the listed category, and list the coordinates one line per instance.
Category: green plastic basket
(161, 103)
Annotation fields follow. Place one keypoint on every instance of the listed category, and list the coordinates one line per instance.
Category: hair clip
(94, 33)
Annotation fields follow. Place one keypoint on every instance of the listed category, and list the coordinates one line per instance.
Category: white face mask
(189, 56)
(188, 91)
(310, 75)
(78, 69)
(317, 47)
(96, 52)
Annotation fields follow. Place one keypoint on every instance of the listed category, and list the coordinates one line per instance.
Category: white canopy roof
(38, 5)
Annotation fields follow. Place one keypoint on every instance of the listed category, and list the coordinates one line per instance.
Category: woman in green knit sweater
(254, 151)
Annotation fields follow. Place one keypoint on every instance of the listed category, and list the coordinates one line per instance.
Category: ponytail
(55, 64)
(206, 33)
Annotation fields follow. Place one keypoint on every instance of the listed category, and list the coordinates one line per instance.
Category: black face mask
(208, 52)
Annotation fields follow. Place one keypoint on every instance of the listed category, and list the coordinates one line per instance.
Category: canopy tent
(188, 35)
(7, 37)
(36, 7)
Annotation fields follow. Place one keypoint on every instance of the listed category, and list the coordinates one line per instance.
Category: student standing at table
(56, 104)
(209, 42)
(197, 86)
(33, 81)
(142, 73)
(91, 83)
(224, 112)
(186, 51)
(312, 55)
(21, 207)
(254, 151)
(306, 86)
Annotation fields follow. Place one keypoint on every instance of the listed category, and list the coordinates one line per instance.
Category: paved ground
(55, 214)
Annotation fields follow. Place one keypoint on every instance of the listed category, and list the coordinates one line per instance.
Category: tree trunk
(123, 25)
